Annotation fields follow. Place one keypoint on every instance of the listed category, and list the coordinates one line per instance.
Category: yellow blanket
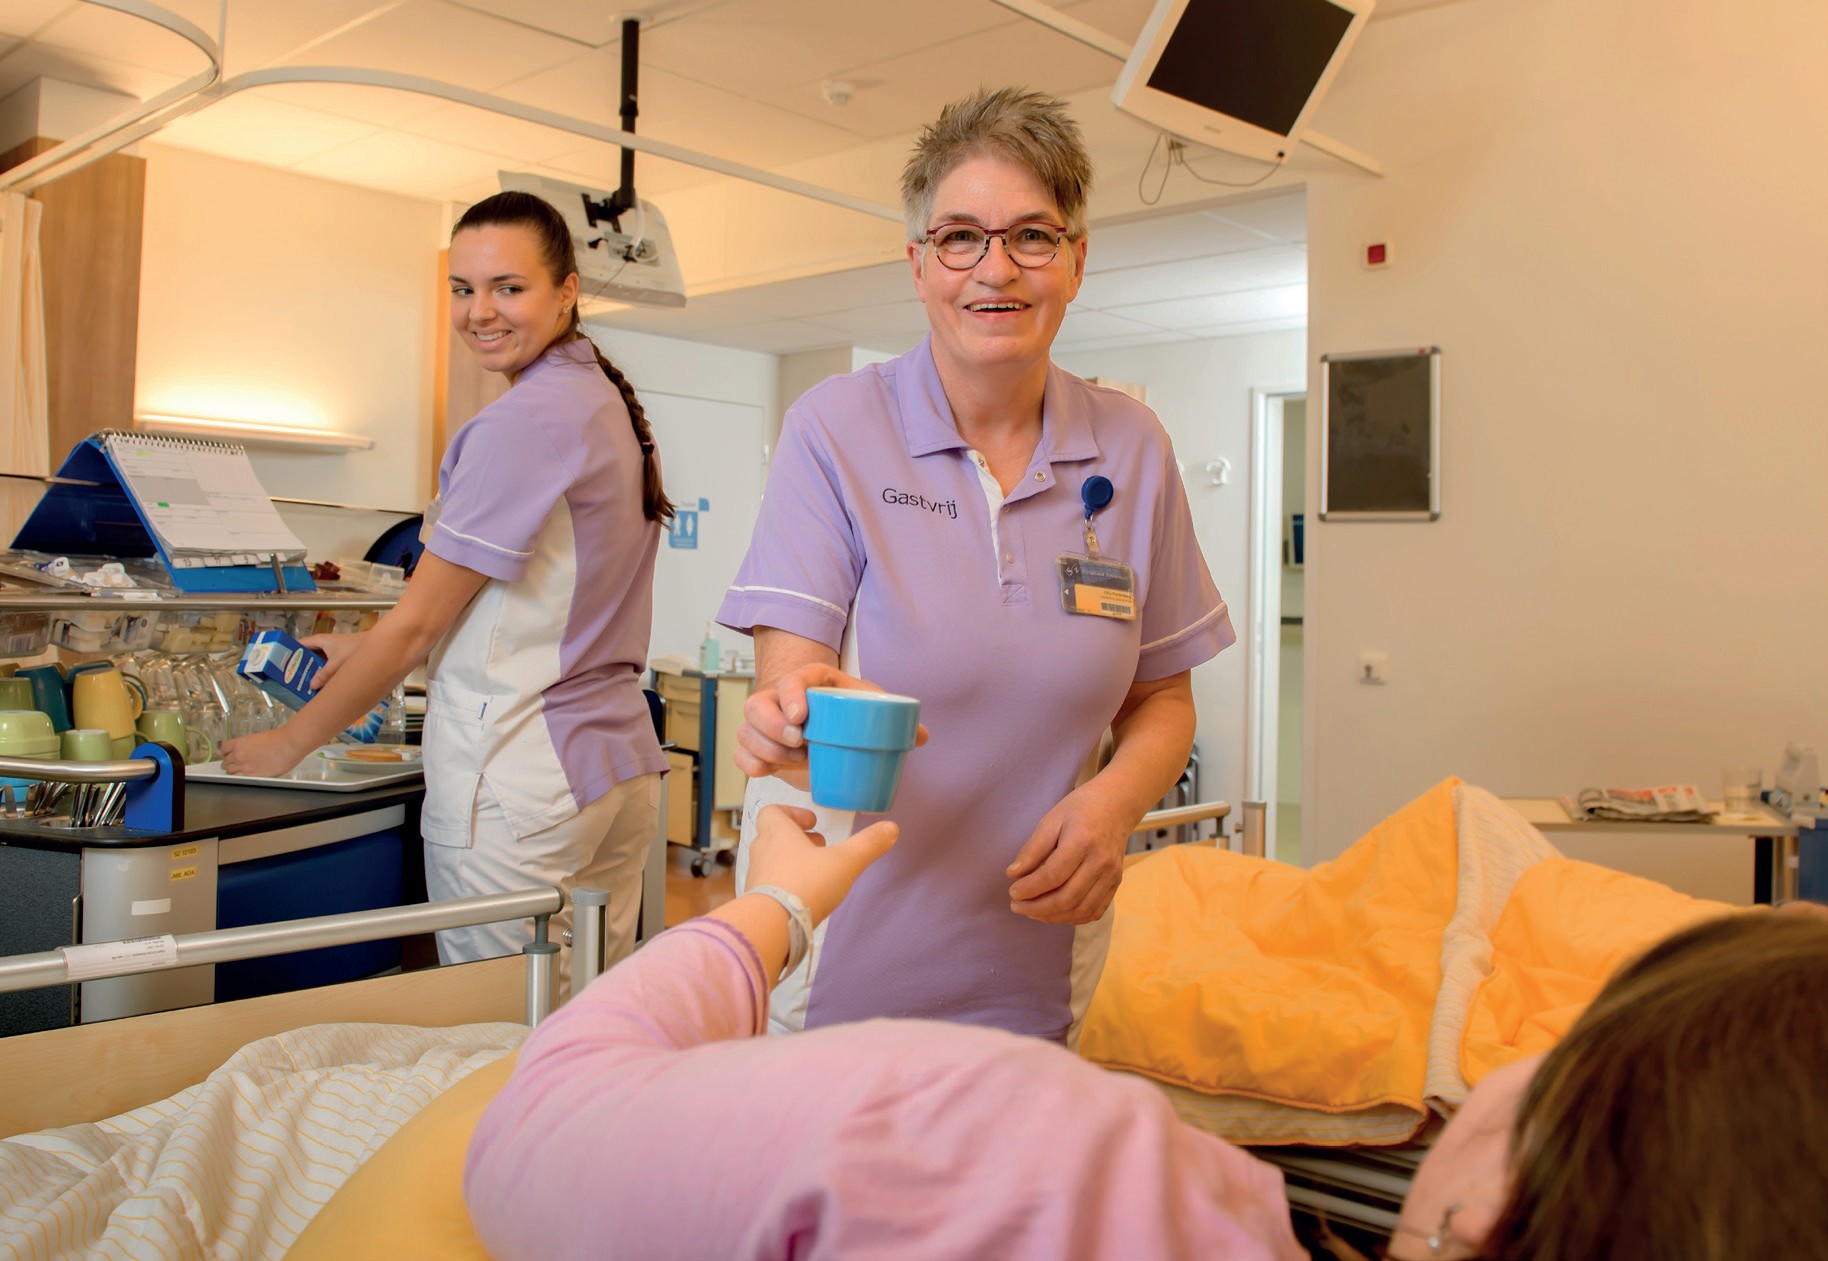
(1334, 1005)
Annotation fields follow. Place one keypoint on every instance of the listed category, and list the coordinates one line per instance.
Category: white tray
(313, 773)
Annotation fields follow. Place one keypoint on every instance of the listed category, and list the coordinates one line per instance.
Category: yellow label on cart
(183, 851)
(183, 873)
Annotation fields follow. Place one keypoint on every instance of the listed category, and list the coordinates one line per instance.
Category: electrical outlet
(1373, 667)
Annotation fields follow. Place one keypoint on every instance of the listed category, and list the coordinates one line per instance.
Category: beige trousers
(603, 845)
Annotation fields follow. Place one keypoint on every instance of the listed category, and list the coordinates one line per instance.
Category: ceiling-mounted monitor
(1244, 76)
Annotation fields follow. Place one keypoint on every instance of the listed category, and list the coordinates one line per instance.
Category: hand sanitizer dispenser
(710, 652)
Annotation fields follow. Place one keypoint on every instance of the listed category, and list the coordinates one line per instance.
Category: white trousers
(604, 845)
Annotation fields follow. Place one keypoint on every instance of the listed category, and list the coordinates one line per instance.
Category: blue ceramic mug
(856, 742)
(50, 693)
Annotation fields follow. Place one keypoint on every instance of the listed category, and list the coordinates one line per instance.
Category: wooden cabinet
(89, 241)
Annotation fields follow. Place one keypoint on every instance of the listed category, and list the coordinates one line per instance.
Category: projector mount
(611, 209)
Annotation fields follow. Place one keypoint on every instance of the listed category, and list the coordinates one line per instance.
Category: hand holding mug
(772, 739)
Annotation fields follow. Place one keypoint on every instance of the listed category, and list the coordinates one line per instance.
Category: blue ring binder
(108, 519)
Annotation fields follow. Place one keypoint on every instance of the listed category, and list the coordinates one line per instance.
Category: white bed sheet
(237, 1165)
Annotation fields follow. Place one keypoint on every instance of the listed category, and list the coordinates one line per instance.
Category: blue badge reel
(1091, 583)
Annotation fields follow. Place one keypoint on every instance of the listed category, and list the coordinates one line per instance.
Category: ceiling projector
(623, 256)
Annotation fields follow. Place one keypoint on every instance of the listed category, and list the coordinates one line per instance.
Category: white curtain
(25, 414)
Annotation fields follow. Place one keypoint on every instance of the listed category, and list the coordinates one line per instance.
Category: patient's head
(1686, 1113)
(1683, 1118)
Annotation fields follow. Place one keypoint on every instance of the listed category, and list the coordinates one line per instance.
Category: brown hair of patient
(1685, 1116)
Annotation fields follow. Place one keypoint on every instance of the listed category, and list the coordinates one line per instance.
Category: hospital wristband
(799, 923)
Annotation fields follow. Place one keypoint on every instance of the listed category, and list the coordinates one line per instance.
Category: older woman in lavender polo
(973, 527)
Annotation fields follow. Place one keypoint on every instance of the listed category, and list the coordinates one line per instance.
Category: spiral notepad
(202, 500)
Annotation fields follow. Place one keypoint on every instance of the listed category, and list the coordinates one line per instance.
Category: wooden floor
(688, 895)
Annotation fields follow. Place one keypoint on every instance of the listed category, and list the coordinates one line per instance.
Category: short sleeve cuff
(1188, 647)
(796, 612)
(473, 553)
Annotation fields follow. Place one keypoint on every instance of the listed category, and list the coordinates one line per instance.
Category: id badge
(1098, 586)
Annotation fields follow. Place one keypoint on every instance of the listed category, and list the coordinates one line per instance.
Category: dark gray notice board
(1380, 423)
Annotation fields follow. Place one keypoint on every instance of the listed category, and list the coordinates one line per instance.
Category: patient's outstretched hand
(784, 853)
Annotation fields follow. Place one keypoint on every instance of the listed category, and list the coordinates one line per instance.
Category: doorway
(1277, 593)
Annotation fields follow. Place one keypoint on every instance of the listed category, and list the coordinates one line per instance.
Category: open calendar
(198, 506)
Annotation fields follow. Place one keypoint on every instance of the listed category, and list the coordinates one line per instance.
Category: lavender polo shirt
(536, 687)
(878, 523)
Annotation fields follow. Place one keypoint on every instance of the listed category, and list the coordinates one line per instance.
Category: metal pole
(589, 935)
(1256, 814)
(631, 70)
(542, 974)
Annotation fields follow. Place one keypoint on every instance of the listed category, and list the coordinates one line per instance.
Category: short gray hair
(1028, 128)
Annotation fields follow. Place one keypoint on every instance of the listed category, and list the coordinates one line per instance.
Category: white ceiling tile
(469, 192)
(1088, 325)
(600, 166)
(1250, 328)
(380, 107)
(512, 139)
(1122, 19)
(593, 25)
(1164, 239)
(28, 17)
(1193, 276)
(1158, 337)
(1284, 217)
(782, 337)
(396, 163)
(44, 61)
(908, 318)
(680, 111)
(1283, 301)
(261, 32)
(118, 37)
(442, 41)
(245, 125)
(897, 94)
(752, 47)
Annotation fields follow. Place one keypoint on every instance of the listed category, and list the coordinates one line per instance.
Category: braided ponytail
(560, 256)
(654, 502)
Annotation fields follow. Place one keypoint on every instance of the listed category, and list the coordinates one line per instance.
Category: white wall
(713, 410)
(1201, 391)
(277, 297)
(1610, 218)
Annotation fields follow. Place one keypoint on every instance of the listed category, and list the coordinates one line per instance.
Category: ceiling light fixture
(248, 433)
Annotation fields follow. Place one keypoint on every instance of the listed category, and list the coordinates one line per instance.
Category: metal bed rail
(1200, 811)
(94, 962)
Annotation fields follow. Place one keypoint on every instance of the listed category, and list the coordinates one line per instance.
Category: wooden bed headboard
(88, 1072)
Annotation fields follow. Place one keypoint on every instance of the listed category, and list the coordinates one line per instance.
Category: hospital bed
(291, 1092)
